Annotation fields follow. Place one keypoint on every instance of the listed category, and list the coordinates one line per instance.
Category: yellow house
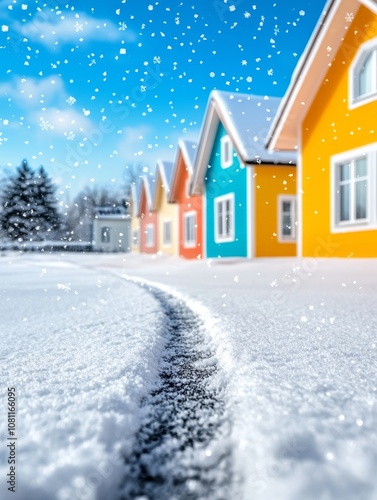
(329, 114)
(167, 213)
(135, 219)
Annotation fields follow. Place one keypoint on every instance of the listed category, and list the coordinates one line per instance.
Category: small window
(226, 152)
(363, 74)
(166, 233)
(149, 235)
(105, 235)
(224, 218)
(287, 219)
(135, 237)
(351, 191)
(190, 229)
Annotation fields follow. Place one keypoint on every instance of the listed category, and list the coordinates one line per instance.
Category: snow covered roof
(186, 149)
(164, 172)
(247, 119)
(311, 70)
(147, 186)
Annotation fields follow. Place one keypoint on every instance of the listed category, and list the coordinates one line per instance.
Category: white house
(112, 230)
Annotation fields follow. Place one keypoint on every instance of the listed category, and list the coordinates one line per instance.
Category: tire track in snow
(181, 448)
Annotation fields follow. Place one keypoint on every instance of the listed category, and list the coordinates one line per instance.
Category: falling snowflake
(244, 62)
(64, 286)
(274, 284)
(232, 8)
(270, 72)
(176, 20)
(122, 26)
(143, 88)
(212, 74)
(71, 100)
(150, 7)
(349, 17)
(157, 60)
(70, 136)
(79, 27)
(302, 13)
(45, 124)
(246, 14)
(249, 79)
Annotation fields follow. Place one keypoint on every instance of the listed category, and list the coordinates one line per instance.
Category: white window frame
(167, 242)
(226, 152)
(221, 200)
(105, 234)
(370, 222)
(136, 237)
(189, 243)
(285, 238)
(355, 100)
(149, 235)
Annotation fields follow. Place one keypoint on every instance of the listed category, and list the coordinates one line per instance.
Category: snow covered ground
(293, 342)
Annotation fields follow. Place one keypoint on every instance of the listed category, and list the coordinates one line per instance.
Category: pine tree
(29, 210)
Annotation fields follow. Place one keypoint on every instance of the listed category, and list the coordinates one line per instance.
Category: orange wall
(329, 128)
(269, 183)
(187, 204)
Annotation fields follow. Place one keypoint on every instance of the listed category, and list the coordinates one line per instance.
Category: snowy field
(286, 357)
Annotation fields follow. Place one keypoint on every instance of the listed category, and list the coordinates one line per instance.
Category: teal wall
(218, 182)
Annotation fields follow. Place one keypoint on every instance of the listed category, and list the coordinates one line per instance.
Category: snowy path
(182, 417)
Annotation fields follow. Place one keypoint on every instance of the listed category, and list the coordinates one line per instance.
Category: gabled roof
(163, 176)
(311, 70)
(146, 188)
(135, 196)
(186, 150)
(247, 119)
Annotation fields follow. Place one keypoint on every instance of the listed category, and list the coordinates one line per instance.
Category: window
(224, 218)
(105, 235)
(363, 74)
(166, 233)
(226, 152)
(352, 179)
(149, 235)
(286, 219)
(190, 229)
(135, 237)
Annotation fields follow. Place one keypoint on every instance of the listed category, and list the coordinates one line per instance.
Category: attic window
(226, 152)
(363, 77)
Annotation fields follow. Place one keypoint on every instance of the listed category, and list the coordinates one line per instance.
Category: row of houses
(278, 177)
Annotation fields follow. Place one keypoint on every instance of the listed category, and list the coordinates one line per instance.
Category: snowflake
(79, 27)
(157, 60)
(212, 74)
(246, 14)
(274, 284)
(143, 88)
(64, 286)
(122, 26)
(349, 17)
(232, 8)
(93, 61)
(176, 20)
(276, 30)
(302, 13)
(150, 7)
(70, 136)
(45, 124)
(71, 100)
(249, 79)
(270, 72)
(244, 62)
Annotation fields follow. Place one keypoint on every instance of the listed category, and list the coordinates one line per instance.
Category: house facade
(148, 217)
(249, 205)
(329, 113)
(167, 221)
(190, 232)
(112, 230)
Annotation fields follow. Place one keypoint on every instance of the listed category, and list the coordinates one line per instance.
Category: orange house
(329, 114)
(148, 218)
(190, 233)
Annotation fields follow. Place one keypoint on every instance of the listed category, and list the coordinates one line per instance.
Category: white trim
(186, 215)
(226, 146)
(250, 212)
(292, 238)
(221, 199)
(148, 227)
(364, 49)
(299, 191)
(370, 223)
(164, 243)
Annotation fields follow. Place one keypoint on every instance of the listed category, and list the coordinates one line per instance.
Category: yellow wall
(135, 224)
(330, 128)
(166, 211)
(269, 183)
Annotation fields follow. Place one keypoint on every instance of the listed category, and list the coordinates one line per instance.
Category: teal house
(230, 150)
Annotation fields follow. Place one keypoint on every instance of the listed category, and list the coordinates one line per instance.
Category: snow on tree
(29, 206)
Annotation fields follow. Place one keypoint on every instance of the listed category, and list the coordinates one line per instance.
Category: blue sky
(86, 91)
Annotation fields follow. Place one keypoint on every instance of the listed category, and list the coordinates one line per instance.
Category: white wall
(119, 234)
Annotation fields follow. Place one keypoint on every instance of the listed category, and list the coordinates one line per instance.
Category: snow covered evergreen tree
(29, 207)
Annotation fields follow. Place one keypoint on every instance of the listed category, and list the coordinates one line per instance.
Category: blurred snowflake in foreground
(71, 100)
(349, 17)
(45, 124)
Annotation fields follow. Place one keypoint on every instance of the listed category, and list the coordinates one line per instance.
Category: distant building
(112, 230)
